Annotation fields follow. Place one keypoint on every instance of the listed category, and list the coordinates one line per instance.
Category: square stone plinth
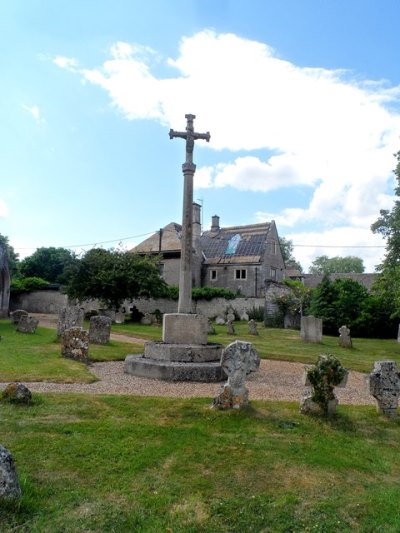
(181, 328)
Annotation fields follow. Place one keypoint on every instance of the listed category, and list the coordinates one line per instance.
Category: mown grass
(128, 464)
(286, 345)
(37, 357)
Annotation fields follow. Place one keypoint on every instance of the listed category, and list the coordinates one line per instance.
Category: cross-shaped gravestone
(188, 169)
(384, 386)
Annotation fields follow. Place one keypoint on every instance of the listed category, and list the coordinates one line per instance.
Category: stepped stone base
(183, 353)
(174, 370)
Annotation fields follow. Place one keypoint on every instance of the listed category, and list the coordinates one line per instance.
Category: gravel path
(275, 380)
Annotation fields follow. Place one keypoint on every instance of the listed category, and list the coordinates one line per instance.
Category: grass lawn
(128, 464)
(286, 345)
(37, 357)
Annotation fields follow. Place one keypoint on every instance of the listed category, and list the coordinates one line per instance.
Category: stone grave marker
(384, 386)
(344, 337)
(311, 329)
(100, 329)
(230, 327)
(5, 281)
(27, 324)
(9, 484)
(238, 360)
(253, 327)
(70, 317)
(16, 315)
(321, 380)
(75, 344)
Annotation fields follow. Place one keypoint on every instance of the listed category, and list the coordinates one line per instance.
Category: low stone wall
(51, 301)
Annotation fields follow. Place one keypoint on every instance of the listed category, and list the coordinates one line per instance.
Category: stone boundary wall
(52, 301)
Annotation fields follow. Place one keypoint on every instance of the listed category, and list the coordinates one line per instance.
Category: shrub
(28, 284)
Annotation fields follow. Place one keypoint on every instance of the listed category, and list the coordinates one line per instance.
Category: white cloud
(67, 63)
(324, 129)
(34, 111)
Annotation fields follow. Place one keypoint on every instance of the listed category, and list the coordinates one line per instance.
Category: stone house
(239, 258)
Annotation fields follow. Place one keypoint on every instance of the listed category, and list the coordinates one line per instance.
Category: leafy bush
(28, 284)
(200, 293)
(256, 313)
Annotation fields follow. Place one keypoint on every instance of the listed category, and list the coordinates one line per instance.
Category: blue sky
(302, 100)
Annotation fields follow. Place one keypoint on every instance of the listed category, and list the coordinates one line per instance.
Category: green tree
(331, 265)
(47, 263)
(287, 254)
(388, 225)
(13, 261)
(113, 276)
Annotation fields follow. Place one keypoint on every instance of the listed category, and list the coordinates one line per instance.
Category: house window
(273, 273)
(240, 273)
(213, 275)
(274, 247)
(161, 269)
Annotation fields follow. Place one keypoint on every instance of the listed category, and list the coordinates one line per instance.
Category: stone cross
(344, 337)
(188, 169)
(384, 386)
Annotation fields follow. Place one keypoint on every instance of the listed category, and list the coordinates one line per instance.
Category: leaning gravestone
(100, 329)
(17, 393)
(75, 344)
(27, 324)
(16, 315)
(321, 379)
(344, 337)
(384, 386)
(9, 484)
(70, 317)
(230, 327)
(237, 360)
(252, 327)
(311, 329)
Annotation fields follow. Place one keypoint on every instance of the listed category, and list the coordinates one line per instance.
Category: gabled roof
(170, 240)
(236, 244)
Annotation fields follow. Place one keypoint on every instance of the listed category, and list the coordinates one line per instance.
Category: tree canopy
(13, 261)
(113, 276)
(47, 263)
(388, 225)
(331, 265)
(287, 254)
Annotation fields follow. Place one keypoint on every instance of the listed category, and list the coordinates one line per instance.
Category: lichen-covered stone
(27, 324)
(9, 484)
(311, 329)
(344, 337)
(70, 317)
(75, 344)
(17, 393)
(321, 380)
(16, 315)
(384, 386)
(252, 327)
(100, 329)
(230, 328)
(238, 360)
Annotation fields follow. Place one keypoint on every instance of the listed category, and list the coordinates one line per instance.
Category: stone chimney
(215, 223)
(197, 255)
(196, 217)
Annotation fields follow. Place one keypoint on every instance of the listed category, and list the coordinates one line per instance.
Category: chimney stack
(215, 223)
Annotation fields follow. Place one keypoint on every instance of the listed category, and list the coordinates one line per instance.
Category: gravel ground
(275, 380)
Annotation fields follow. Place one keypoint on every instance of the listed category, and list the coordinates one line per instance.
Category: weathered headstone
(27, 324)
(230, 327)
(230, 316)
(253, 327)
(70, 317)
(398, 334)
(100, 329)
(147, 319)
(238, 360)
(4, 281)
(75, 344)
(17, 393)
(321, 379)
(9, 484)
(311, 329)
(220, 320)
(120, 317)
(344, 337)
(16, 315)
(384, 386)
